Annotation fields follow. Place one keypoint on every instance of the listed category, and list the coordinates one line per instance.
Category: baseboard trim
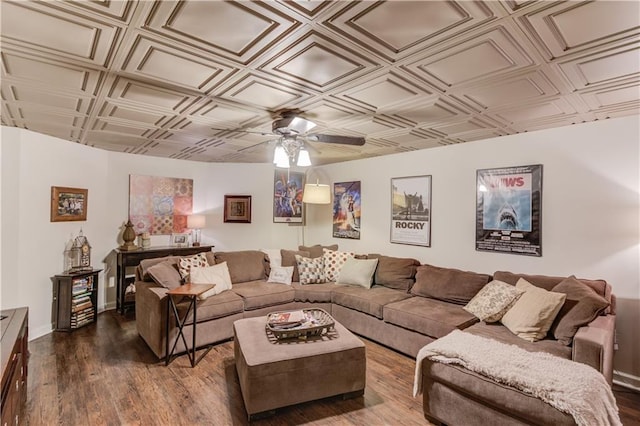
(626, 380)
(40, 331)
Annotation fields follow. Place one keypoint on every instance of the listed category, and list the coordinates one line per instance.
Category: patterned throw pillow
(333, 262)
(493, 300)
(196, 261)
(311, 271)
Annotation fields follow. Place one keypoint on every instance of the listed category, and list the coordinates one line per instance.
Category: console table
(14, 358)
(132, 258)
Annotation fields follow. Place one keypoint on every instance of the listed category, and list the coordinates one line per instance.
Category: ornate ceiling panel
(203, 80)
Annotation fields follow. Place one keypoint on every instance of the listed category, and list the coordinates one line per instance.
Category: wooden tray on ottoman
(319, 322)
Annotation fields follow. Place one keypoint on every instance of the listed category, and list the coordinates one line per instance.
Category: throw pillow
(395, 272)
(358, 272)
(333, 261)
(317, 250)
(217, 274)
(581, 307)
(289, 259)
(533, 313)
(165, 274)
(281, 275)
(186, 263)
(311, 270)
(493, 301)
(448, 284)
(275, 258)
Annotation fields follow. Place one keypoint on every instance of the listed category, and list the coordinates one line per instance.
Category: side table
(191, 291)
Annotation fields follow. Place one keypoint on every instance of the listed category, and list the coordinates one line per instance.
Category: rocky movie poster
(346, 210)
(508, 212)
(411, 210)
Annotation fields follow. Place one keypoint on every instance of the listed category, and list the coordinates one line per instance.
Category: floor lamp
(315, 193)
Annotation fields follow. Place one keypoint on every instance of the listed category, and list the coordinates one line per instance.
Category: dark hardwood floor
(104, 374)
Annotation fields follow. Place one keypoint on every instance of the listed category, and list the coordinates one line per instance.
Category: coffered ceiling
(158, 78)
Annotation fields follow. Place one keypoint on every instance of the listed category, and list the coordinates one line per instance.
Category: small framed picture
(180, 240)
(68, 204)
(237, 208)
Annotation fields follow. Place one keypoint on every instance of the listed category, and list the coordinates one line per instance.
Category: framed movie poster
(411, 210)
(509, 210)
(288, 187)
(346, 210)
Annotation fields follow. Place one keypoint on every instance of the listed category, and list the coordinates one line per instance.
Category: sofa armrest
(151, 314)
(593, 345)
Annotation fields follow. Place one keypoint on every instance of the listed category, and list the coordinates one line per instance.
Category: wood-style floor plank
(104, 374)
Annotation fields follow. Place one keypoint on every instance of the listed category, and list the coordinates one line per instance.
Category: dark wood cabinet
(75, 300)
(14, 357)
(128, 259)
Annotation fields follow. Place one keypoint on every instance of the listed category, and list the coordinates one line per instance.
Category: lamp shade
(196, 221)
(280, 157)
(316, 193)
(303, 158)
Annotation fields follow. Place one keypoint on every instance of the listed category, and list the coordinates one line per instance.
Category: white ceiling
(156, 78)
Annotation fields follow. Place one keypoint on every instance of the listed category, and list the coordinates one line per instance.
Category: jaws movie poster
(509, 209)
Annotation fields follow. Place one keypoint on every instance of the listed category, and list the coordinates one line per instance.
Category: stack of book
(82, 309)
(289, 320)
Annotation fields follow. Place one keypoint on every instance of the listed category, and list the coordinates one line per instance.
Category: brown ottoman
(276, 374)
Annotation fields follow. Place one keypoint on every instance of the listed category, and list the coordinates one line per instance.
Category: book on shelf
(83, 306)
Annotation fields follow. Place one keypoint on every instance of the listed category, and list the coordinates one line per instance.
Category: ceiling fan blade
(243, 131)
(343, 140)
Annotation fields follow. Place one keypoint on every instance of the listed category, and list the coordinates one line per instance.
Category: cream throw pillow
(533, 313)
(217, 274)
(281, 275)
(358, 272)
(493, 301)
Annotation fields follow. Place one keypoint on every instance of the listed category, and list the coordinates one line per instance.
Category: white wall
(590, 209)
(590, 223)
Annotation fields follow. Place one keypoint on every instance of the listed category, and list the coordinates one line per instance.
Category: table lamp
(196, 222)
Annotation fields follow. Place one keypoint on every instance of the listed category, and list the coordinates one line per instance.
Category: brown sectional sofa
(393, 312)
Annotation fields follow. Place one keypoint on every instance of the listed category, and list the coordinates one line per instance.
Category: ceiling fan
(293, 133)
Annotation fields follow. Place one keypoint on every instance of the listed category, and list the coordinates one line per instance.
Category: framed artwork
(159, 205)
(288, 187)
(346, 210)
(509, 210)
(68, 204)
(237, 208)
(411, 210)
(180, 239)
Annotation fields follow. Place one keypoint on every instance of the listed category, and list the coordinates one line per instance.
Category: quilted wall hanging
(159, 205)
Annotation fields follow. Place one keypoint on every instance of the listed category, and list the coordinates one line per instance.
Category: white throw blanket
(569, 386)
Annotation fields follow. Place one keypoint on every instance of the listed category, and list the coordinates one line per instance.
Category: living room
(590, 211)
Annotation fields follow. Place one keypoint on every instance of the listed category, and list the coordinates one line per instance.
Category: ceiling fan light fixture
(303, 158)
(280, 157)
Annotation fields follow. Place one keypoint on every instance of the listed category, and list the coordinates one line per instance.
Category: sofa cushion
(281, 275)
(367, 300)
(499, 332)
(317, 293)
(218, 306)
(448, 284)
(493, 301)
(311, 270)
(333, 261)
(358, 272)
(215, 274)
(533, 313)
(244, 265)
(395, 272)
(601, 287)
(145, 264)
(166, 274)
(430, 317)
(288, 258)
(317, 250)
(581, 307)
(260, 294)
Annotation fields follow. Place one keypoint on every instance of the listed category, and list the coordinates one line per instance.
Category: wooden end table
(191, 291)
